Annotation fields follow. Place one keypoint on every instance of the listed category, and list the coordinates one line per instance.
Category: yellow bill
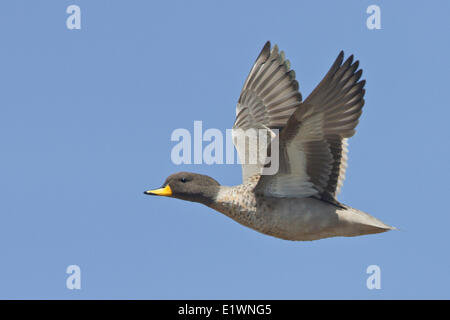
(166, 191)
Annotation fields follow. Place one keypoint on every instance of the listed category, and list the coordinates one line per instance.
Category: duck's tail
(355, 222)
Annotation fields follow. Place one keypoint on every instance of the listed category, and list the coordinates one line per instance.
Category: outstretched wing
(268, 98)
(313, 144)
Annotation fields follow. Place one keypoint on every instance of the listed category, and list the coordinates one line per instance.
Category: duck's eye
(183, 180)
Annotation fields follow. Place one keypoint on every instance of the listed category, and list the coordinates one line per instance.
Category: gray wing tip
(348, 62)
(296, 86)
(265, 52)
(340, 56)
(362, 83)
(291, 74)
(358, 74)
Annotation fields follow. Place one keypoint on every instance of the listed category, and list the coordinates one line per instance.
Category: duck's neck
(206, 195)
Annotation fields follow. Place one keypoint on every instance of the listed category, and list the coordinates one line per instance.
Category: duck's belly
(297, 219)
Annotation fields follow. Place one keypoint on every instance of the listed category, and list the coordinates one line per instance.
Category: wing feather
(268, 98)
(313, 143)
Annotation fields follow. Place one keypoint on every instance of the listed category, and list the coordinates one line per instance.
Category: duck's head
(188, 186)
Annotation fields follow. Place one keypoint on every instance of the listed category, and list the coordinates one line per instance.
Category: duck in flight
(298, 202)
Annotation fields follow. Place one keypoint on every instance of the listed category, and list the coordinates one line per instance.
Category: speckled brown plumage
(292, 218)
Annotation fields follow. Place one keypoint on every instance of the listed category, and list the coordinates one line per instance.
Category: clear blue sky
(85, 123)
